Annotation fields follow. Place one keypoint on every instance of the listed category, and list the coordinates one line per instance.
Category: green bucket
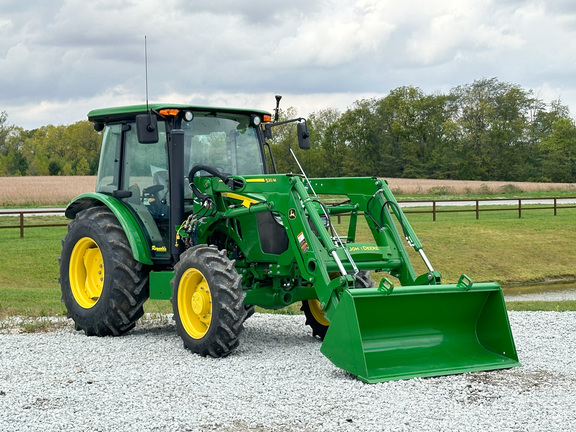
(420, 331)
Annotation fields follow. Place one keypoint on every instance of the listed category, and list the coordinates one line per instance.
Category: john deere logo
(292, 214)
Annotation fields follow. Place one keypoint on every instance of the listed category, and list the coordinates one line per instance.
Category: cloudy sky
(61, 58)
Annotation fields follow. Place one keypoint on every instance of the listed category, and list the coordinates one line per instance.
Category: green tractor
(189, 207)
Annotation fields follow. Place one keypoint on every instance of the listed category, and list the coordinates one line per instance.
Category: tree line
(49, 150)
(487, 130)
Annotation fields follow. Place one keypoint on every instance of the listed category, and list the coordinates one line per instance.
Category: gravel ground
(276, 381)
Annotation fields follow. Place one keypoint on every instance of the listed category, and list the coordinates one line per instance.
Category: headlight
(188, 116)
(255, 120)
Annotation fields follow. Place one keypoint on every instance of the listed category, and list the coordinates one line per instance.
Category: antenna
(151, 123)
(146, 69)
(146, 123)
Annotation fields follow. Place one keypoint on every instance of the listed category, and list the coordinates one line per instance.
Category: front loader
(188, 209)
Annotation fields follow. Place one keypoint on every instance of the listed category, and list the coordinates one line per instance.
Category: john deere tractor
(189, 208)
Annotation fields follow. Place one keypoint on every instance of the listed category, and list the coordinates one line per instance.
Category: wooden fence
(21, 214)
(436, 206)
(475, 205)
(503, 204)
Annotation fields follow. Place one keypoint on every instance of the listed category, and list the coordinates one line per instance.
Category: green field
(500, 247)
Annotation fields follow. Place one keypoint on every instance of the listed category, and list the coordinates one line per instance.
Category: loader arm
(313, 248)
(309, 253)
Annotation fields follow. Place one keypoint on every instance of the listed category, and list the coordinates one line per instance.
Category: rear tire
(208, 301)
(103, 287)
(315, 315)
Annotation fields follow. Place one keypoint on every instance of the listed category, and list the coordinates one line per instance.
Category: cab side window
(108, 169)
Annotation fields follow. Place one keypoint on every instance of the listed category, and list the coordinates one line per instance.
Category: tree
(416, 124)
(357, 129)
(85, 144)
(283, 139)
(326, 155)
(13, 161)
(82, 167)
(493, 121)
(60, 150)
(4, 130)
(560, 148)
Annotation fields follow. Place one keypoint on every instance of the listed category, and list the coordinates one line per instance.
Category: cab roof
(129, 112)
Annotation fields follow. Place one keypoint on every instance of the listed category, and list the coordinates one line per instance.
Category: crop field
(59, 190)
(467, 187)
(43, 190)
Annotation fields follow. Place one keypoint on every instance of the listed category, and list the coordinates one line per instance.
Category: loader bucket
(420, 331)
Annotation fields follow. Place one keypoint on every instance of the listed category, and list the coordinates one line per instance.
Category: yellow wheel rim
(317, 312)
(86, 272)
(194, 303)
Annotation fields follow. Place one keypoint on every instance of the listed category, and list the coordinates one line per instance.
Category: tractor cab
(135, 158)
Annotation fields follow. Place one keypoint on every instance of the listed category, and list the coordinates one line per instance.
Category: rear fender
(132, 229)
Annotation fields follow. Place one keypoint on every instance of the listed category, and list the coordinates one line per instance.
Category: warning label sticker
(302, 241)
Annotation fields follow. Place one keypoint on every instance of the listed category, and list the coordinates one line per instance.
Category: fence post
(434, 211)
(477, 210)
(554, 206)
(519, 208)
(21, 225)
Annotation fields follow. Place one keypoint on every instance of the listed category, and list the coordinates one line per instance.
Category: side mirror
(303, 135)
(268, 131)
(146, 128)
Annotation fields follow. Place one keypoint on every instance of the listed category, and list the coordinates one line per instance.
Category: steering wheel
(154, 189)
(231, 182)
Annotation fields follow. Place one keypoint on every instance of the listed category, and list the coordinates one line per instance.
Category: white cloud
(60, 58)
(462, 30)
(342, 37)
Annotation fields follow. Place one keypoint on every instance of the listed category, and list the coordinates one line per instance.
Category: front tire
(315, 315)
(208, 301)
(103, 287)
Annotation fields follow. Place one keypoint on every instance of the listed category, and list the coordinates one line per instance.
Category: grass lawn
(499, 247)
(29, 272)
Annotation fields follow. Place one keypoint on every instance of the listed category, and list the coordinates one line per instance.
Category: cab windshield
(226, 142)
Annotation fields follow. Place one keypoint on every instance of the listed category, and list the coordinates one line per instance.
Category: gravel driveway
(276, 381)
